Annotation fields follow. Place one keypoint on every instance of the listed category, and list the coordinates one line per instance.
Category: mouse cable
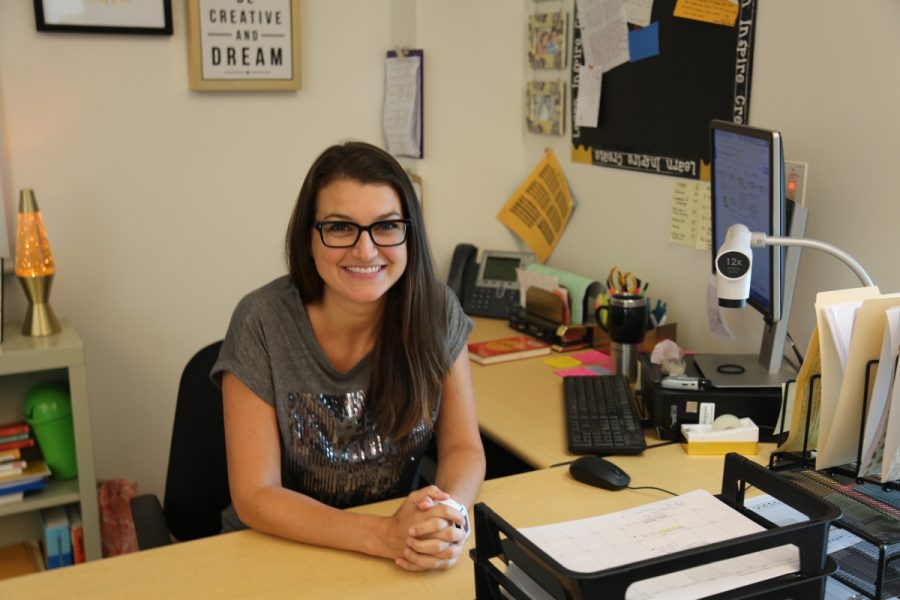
(668, 443)
(650, 487)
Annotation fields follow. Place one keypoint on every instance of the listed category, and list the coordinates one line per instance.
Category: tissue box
(701, 439)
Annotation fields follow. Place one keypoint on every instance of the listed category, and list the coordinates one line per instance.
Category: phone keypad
(491, 302)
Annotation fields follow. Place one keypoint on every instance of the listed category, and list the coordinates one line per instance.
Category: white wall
(164, 205)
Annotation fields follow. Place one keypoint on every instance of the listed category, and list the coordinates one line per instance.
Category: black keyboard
(601, 416)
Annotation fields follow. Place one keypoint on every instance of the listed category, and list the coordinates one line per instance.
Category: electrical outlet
(795, 178)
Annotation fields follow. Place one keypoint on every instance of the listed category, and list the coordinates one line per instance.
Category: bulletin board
(655, 112)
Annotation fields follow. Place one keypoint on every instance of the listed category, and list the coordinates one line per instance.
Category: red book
(19, 444)
(14, 428)
(77, 532)
(511, 348)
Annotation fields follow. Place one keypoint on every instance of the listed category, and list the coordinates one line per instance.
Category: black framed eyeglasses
(344, 234)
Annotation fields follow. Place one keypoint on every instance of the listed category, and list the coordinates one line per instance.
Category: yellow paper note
(690, 221)
(718, 12)
(562, 362)
(539, 210)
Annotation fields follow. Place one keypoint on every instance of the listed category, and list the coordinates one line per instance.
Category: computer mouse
(599, 472)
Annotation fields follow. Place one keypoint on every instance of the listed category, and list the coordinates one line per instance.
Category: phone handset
(461, 266)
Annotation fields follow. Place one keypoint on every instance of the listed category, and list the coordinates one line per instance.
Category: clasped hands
(433, 534)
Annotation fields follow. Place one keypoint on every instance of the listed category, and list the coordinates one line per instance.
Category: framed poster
(241, 45)
(545, 106)
(547, 40)
(147, 17)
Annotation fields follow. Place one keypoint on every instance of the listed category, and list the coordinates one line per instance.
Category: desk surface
(248, 564)
(520, 403)
(519, 406)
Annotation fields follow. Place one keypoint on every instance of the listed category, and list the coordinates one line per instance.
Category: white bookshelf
(25, 361)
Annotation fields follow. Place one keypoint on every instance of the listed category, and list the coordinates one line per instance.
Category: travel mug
(626, 323)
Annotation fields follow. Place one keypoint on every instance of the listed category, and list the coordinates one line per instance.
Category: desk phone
(489, 288)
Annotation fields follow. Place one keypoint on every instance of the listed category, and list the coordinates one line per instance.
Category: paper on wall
(539, 210)
(587, 104)
(402, 117)
(604, 32)
(691, 222)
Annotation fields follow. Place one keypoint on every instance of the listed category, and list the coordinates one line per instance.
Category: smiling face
(364, 272)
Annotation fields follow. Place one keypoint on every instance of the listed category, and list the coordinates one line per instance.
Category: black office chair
(197, 475)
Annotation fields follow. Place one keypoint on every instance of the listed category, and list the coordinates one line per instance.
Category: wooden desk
(520, 403)
(519, 406)
(249, 565)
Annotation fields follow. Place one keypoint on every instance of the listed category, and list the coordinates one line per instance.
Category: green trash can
(48, 411)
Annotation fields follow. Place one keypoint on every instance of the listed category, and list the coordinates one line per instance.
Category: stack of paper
(687, 521)
(856, 327)
(880, 438)
(833, 375)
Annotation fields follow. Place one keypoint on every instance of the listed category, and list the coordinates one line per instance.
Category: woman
(336, 376)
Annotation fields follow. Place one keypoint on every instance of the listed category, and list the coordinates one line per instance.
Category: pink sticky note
(595, 357)
(575, 372)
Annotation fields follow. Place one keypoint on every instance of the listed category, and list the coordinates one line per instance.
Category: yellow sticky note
(718, 12)
(562, 362)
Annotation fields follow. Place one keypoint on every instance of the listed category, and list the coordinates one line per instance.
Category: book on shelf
(31, 486)
(10, 455)
(14, 428)
(76, 529)
(57, 537)
(12, 467)
(37, 471)
(17, 444)
(14, 437)
(505, 349)
(12, 497)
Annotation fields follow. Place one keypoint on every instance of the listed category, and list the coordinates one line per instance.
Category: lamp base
(39, 318)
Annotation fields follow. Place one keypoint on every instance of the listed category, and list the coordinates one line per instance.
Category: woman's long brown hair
(410, 359)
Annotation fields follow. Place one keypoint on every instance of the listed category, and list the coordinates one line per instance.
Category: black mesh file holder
(499, 542)
(870, 507)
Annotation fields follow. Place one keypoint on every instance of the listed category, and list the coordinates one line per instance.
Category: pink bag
(116, 523)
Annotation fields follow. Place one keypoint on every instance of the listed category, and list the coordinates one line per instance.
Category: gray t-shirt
(331, 448)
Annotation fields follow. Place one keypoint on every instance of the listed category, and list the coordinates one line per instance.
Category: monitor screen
(747, 185)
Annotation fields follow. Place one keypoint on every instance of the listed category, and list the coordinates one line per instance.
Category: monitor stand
(741, 371)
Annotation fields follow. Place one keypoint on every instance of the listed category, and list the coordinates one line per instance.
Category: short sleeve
(459, 326)
(245, 352)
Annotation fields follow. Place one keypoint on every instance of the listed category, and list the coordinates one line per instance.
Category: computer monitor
(748, 186)
(747, 178)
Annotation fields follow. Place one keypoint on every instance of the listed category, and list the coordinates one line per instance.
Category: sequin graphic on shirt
(335, 453)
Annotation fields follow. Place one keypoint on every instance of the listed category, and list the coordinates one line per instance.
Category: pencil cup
(626, 323)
